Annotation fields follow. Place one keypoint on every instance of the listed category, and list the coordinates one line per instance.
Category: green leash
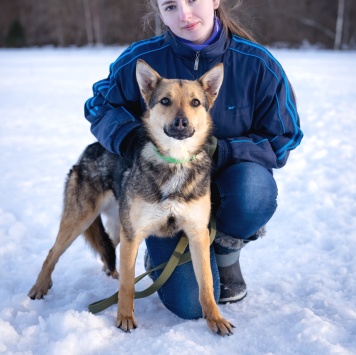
(177, 258)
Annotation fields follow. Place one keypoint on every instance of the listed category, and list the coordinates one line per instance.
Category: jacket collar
(210, 53)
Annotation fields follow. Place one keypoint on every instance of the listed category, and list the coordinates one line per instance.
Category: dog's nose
(179, 128)
(180, 123)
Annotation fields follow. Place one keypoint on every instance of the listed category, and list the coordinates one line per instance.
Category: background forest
(28, 23)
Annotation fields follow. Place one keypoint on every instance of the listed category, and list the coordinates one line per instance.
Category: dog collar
(174, 160)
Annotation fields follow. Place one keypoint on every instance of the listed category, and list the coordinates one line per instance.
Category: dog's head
(178, 110)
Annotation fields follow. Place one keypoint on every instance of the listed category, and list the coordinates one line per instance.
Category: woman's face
(192, 20)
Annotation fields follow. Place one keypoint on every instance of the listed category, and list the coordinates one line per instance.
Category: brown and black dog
(165, 190)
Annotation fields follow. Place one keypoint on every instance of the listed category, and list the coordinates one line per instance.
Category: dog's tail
(100, 241)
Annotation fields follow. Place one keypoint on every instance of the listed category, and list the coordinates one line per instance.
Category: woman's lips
(191, 26)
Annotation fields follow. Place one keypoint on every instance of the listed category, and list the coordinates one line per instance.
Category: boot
(147, 264)
(227, 252)
(232, 284)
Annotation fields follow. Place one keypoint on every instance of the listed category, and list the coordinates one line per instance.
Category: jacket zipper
(196, 62)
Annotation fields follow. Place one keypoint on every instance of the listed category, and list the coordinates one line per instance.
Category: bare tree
(88, 21)
(312, 23)
(97, 8)
(339, 24)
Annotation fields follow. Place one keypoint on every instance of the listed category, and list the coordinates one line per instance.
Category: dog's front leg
(200, 250)
(128, 251)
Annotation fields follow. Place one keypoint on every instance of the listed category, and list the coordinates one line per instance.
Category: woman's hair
(226, 13)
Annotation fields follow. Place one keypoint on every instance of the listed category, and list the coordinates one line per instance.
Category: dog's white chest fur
(174, 184)
(156, 218)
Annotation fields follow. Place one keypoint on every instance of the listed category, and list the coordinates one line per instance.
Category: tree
(339, 24)
(16, 36)
(88, 21)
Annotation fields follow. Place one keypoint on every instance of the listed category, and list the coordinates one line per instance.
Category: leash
(177, 258)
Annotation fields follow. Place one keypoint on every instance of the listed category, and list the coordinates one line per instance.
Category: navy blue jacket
(255, 116)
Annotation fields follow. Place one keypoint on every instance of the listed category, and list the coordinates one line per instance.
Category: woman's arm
(274, 132)
(115, 109)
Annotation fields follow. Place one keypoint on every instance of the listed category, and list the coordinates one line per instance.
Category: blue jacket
(255, 116)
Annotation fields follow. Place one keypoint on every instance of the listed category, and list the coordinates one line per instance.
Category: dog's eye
(195, 103)
(165, 101)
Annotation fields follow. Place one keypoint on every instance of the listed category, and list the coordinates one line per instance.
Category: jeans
(243, 200)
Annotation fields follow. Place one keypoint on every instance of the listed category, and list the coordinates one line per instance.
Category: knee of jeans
(255, 197)
(248, 194)
(247, 186)
(181, 297)
(183, 307)
(180, 294)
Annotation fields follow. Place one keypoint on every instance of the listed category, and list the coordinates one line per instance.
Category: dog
(165, 190)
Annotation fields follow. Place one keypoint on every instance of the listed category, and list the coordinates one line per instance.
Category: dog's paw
(37, 292)
(114, 274)
(220, 326)
(126, 323)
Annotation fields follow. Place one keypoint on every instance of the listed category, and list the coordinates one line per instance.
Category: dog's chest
(160, 199)
(173, 185)
(157, 183)
(163, 219)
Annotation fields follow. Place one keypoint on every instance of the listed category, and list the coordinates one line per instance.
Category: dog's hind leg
(82, 205)
(100, 242)
(70, 228)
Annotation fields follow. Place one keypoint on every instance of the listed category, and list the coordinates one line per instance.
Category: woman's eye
(165, 101)
(169, 8)
(195, 102)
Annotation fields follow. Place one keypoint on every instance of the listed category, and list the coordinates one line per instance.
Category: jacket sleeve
(275, 128)
(114, 110)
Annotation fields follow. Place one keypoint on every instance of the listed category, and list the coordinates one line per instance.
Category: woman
(255, 122)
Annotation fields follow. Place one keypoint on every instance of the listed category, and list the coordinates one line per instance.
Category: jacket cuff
(223, 153)
(125, 132)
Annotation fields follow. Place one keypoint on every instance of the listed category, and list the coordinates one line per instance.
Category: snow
(301, 277)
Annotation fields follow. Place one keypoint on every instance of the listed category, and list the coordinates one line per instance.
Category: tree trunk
(88, 22)
(96, 18)
(339, 24)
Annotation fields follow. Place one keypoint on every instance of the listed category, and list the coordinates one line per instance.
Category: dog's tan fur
(155, 197)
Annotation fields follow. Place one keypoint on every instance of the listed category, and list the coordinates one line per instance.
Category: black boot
(232, 284)
(227, 252)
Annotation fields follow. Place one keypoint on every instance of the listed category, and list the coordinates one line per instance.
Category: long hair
(227, 14)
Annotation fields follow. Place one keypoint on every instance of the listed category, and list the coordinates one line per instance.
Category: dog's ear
(211, 82)
(147, 79)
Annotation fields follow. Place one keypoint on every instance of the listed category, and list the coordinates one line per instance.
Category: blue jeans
(243, 200)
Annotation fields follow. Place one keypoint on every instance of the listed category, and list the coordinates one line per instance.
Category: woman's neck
(210, 40)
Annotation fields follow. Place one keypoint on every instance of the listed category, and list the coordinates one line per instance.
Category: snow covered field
(301, 277)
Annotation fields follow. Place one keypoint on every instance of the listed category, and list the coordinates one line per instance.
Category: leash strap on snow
(177, 258)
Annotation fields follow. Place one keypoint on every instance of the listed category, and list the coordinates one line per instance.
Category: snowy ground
(301, 277)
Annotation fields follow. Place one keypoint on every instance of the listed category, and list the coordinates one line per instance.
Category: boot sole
(233, 299)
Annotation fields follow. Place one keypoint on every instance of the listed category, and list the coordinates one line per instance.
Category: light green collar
(174, 160)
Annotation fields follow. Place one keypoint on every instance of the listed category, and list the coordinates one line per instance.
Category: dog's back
(98, 170)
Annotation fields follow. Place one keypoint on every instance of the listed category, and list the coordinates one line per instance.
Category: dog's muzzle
(179, 129)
